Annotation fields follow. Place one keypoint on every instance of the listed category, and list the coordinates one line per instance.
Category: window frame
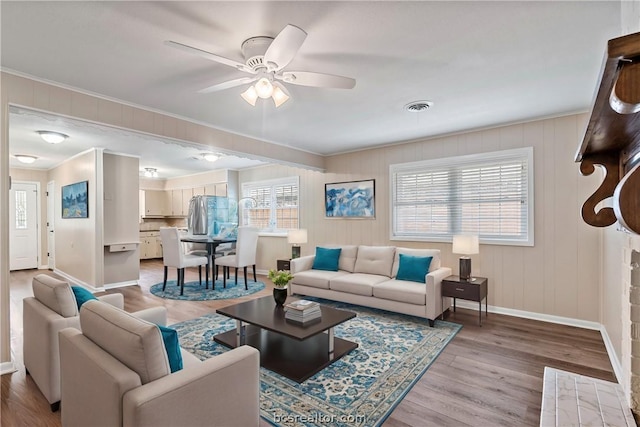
(245, 187)
(526, 154)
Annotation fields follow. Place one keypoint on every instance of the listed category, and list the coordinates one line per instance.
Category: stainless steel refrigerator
(212, 216)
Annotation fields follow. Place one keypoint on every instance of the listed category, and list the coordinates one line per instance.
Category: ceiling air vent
(418, 106)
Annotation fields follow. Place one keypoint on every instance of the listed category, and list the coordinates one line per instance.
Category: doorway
(51, 247)
(23, 225)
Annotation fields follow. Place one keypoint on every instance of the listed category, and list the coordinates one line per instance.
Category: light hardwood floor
(486, 376)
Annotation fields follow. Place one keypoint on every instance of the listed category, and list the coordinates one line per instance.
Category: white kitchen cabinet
(150, 245)
(176, 202)
(187, 194)
(155, 203)
(219, 189)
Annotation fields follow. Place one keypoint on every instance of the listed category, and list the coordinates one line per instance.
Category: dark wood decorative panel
(612, 138)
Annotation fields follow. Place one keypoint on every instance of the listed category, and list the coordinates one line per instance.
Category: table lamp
(465, 244)
(296, 238)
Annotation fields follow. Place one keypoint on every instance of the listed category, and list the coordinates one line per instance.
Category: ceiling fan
(266, 58)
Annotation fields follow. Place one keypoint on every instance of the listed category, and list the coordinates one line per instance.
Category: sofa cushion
(134, 342)
(401, 291)
(375, 260)
(347, 261)
(413, 268)
(316, 278)
(55, 294)
(356, 283)
(326, 259)
(433, 253)
(82, 295)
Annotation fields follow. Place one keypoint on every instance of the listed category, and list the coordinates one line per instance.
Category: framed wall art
(75, 200)
(352, 199)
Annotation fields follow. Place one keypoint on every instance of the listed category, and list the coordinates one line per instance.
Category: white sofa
(367, 276)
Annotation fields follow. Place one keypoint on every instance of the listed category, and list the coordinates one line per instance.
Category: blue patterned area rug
(362, 388)
(193, 291)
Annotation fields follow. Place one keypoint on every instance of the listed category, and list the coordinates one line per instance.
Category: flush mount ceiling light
(25, 158)
(418, 106)
(210, 157)
(52, 137)
(151, 172)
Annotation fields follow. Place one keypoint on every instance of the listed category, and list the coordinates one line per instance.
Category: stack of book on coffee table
(302, 311)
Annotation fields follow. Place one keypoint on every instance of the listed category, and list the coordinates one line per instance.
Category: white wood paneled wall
(559, 275)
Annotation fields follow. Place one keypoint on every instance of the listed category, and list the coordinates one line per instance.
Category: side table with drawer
(284, 264)
(474, 289)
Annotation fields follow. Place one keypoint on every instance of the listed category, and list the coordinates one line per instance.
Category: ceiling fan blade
(208, 55)
(284, 47)
(306, 78)
(228, 84)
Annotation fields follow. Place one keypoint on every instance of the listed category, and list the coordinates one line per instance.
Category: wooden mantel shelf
(612, 138)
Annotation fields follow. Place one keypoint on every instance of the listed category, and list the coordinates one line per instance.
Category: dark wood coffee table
(291, 350)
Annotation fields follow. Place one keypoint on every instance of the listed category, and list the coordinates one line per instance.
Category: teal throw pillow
(82, 295)
(172, 346)
(413, 268)
(326, 259)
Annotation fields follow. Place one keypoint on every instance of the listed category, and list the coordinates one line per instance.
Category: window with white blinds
(489, 194)
(276, 207)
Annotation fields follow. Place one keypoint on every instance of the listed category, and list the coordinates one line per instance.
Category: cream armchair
(53, 308)
(116, 373)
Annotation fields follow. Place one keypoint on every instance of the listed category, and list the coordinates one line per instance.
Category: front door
(23, 226)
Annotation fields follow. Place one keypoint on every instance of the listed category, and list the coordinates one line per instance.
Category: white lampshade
(250, 95)
(279, 95)
(466, 244)
(264, 88)
(297, 237)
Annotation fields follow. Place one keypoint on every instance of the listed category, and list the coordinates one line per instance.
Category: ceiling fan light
(279, 97)
(24, 158)
(264, 88)
(52, 137)
(250, 96)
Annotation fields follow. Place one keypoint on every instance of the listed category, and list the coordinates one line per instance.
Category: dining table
(212, 243)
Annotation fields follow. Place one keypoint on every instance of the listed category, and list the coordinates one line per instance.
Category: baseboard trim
(8, 367)
(120, 284)
(77, 281)
(585, 324)
(613, 357)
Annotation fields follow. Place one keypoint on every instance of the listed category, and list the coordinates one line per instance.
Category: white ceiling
(171, 159)
(481, 63)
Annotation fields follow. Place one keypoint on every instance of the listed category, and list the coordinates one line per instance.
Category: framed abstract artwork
(352, 199)
(75, 200)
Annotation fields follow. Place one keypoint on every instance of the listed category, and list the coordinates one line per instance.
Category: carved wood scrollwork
(627, 200)
(612, 137)
(605, 216)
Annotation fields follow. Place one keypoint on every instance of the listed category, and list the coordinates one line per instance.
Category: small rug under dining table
(360, 389)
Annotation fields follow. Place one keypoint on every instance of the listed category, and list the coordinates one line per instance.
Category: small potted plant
(280, 279)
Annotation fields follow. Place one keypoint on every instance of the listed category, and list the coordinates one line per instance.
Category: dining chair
(173, 256)
(246, 248)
